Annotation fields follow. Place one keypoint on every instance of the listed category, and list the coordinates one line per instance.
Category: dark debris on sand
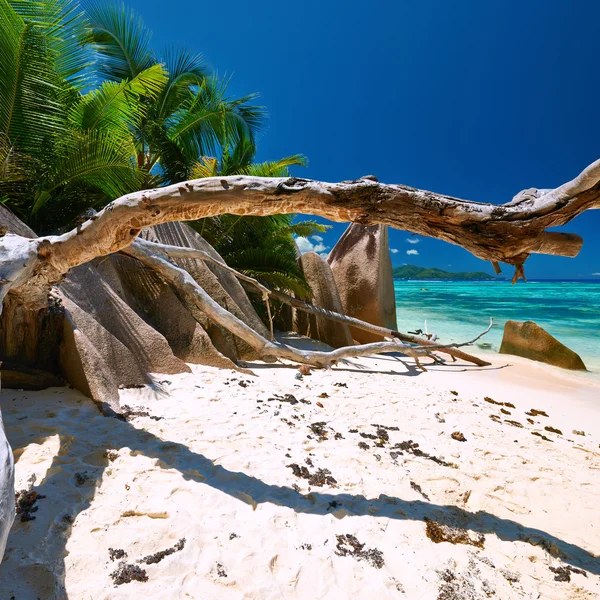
(536, 413)
(564, 573)
(289, 398)
(152, 559)
(553, 430)
(116, 553)
(417, 488)
(127, 573)
(492, 401)
(348, 545)
(458, 436)
(129, 413)
(438, 533)
(319, 430)
(319, 478)
(413, 448)
(541, 435)
(221, 572)
(26, 503)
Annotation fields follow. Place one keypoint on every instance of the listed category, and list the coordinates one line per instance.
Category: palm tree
(59, 149)
(189, 125)
(89, 113)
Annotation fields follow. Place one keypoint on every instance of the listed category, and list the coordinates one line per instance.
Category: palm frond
(66, 29)
(119, 107)
(97, 160)
(186, 70)
(121, 40)
(271, 267)
(29, 87)
(205, 167)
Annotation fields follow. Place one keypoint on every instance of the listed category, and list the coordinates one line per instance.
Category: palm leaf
(121, 40)
(29, 87)
(67, 32)
(94, 159)
(119, 107)
(186, 70)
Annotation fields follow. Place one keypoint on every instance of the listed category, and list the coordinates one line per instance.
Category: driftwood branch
(499, 233)
(181, 280)
(182, 252)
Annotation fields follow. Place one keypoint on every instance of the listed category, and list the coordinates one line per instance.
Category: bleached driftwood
(7, 488)
(499, 233)
(182, 252)
(184, 284)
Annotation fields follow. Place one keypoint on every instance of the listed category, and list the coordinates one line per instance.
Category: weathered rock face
(325, 295)
(112, 322)
(221, 285)
(361, 265)
(105, 343)
(529, 340)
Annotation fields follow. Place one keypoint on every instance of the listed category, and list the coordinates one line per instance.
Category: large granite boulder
(362, 269)
(325, 295)
(105, 344)
(221, 285)
(113, 323)
(529, 340)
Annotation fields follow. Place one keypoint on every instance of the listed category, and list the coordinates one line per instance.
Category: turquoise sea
(459, 310)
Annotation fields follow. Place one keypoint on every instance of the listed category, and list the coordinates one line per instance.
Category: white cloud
(305, 245)
(413, 252)
(317, 238)
(394, 250)
(413, 240)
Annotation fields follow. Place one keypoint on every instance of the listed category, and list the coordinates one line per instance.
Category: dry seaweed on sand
(127, 573)
(319, 430)
(458, 436)
(413, 448)
(437, 532)
(553, 430)
(158, 556)
(417, 488)
(128, 413)
(492, 401)
(26, 503)
(541, 435)
(319, 478)
(564, 573)
(289, 398)
(534, 412)
(116, 553)
(348, 545)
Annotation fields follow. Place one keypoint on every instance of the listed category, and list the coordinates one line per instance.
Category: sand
(215, 462)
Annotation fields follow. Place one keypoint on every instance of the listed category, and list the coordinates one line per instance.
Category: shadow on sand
(42, 564)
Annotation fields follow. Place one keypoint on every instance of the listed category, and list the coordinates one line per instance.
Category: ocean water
(459, 310)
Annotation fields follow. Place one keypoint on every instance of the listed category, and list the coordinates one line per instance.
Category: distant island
(431, 274)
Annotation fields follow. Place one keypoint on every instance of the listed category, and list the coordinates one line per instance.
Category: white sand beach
(211, 465)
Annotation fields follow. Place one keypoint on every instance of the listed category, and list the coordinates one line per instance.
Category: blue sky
(473, 99)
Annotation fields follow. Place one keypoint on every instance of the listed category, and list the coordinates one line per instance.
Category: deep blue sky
(477, 99)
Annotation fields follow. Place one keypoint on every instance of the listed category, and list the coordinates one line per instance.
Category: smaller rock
(458, 436)
(529, 340)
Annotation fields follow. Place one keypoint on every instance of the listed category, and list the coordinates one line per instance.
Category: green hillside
(414, 272)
